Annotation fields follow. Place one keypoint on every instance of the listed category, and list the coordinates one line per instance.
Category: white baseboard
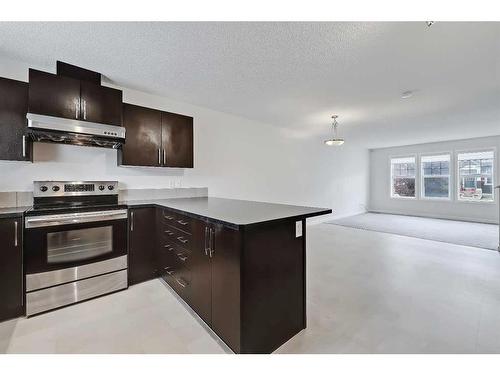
(445, 217)
(324, 218)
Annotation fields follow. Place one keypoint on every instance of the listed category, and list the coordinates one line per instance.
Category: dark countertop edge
(12, 212)
(226, 223)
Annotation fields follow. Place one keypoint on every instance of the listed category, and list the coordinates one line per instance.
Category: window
(475, 176)
(403, 177)
(436, 176)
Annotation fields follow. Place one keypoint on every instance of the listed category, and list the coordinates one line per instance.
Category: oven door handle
(74, 218)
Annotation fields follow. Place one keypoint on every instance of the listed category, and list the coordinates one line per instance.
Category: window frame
(493, 174)
(450, 176)
(391, 186)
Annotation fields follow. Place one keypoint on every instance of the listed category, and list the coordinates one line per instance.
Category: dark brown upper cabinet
(62, 96)
(14, 144)
(156, 139)
(177, 140)
(11, 268)
(53, 95)
(101, 104)
(143, 136)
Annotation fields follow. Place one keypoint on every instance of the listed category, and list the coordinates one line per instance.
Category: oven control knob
(55, 188)
(44, 188)
(110, 187)
(102, 187)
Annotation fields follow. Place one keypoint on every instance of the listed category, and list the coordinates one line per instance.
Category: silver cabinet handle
(169, 271)
(182, 222)
(206, 241)
(182, 257)
(169, 232)
(24, 146)
(182, 239)
(168, 217)
(168, 247)
(77, 107)
(183, 284)
(16, 241)
(159, 156)
(132, 221)
(212, 245)
(84, 109)
(164, 157)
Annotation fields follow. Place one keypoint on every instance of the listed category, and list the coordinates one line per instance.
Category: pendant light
(335, 141)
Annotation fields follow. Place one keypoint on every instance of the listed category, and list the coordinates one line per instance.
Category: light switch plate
(298, 229)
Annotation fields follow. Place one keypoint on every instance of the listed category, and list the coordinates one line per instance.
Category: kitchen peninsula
(239, 264)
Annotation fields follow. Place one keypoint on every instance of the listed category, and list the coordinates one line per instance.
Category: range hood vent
(81, 133)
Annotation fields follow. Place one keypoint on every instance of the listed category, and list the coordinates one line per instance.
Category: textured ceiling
(295, 75)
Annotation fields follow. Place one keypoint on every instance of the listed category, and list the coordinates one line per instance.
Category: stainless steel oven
(74, 253)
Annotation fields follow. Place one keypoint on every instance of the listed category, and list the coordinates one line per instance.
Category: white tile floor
(368, 292)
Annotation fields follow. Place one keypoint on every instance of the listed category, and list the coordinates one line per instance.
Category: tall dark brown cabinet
(11, 268)
(142, 243)
(14, 144)
(156, 138)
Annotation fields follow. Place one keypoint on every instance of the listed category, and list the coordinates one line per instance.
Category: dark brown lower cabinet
(142, 243)
(11, 268)
(247, 284)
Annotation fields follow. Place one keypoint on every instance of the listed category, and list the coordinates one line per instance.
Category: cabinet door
(101, 104)
(143, 136)
(11, 270)
(53, 95)
(13, 108)
(226, 245)
(201, 279)
(141, 262)
(177, 140)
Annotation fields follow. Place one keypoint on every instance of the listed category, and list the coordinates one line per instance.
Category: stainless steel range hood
(82, 133)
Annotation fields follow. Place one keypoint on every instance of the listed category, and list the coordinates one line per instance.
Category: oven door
(54, 242)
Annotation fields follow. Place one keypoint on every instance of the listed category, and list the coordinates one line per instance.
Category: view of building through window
(475, 180)
(436, 176)
(403, 177)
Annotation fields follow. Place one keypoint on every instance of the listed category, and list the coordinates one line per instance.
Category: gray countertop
(232, 211)
(12, 212)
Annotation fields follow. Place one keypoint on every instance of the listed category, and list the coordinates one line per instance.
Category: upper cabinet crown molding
(67, 97)
(156, 138)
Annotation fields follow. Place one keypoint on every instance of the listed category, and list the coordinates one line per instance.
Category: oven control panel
(72, 188)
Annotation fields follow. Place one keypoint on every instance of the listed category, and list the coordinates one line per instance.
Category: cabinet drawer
(176, 220)
(175, 236)
(180, 280)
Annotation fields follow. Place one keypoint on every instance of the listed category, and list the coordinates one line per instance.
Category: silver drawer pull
(182, 239)
(169, 232)
(168, 217)
(168, 247)
(182, 257)
(181, 283)
(182, 222)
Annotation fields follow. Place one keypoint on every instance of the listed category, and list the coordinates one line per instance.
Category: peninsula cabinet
(156, 138)
(248, 285)
(239, 265)
(67, 97)
(14, 144)
(11, 268)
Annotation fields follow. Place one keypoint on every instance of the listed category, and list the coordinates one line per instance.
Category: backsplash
(25, 198)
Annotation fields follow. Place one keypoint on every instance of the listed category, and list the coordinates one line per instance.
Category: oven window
(79, 244)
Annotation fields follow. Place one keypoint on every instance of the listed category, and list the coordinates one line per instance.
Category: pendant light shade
(335, 141)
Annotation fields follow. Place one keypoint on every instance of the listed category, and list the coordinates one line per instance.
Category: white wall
(234, 157)
(381, 201)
